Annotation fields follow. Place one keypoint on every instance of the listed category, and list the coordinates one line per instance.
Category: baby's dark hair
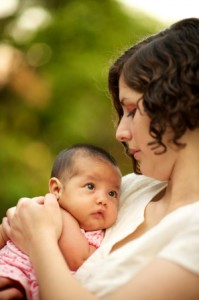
(64, 163)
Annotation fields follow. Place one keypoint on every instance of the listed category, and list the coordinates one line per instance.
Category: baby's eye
(113, 194)
(90, 186)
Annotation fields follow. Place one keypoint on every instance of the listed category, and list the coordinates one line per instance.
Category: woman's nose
(123, 132)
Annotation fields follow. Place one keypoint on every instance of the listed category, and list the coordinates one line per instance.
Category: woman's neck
(183, 186)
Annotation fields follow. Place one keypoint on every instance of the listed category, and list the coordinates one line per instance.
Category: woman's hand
(32, 219)
(10, 289)
(3, 238)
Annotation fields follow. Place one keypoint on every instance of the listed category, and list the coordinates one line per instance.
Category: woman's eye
(131, 113)
(113, 194)
(90, 186)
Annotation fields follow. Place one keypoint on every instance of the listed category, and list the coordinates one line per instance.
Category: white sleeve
(184, 247)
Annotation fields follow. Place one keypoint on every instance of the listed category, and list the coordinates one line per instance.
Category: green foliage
(70, 59)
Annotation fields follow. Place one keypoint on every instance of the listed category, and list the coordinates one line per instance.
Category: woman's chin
(156, 174)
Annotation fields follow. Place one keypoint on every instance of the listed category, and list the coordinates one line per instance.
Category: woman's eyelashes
(132, 113)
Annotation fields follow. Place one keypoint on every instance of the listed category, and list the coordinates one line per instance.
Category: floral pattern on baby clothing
(94, 237)
(16, 265)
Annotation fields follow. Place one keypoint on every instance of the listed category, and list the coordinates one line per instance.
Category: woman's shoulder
(182, 231)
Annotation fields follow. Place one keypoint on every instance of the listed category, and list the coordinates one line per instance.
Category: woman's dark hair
(165, 69)
(64, 163)
(115, 72)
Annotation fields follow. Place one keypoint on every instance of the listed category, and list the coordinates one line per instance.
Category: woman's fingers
(6, 229)
(10, 212)
(38, 199)
(52, 209)
(33, 217)
(12, 294)
(11, 290)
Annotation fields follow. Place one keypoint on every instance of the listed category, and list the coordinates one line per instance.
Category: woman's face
(133, 129)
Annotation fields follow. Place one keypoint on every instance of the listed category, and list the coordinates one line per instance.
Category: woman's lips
(135, 153)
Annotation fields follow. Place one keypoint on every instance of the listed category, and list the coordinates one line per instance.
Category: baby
(86, 181)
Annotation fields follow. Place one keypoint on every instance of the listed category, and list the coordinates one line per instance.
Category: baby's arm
(73, 243)
(3, 237)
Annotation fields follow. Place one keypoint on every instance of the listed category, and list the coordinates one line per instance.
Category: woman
(152, 252)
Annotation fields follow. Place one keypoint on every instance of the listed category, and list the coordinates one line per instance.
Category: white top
(175, 238)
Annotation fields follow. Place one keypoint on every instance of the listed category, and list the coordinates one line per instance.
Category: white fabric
(175, 238)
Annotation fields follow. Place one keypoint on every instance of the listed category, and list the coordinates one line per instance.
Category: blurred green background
(54, 60)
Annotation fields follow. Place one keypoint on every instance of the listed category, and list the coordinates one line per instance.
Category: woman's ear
(55, 187)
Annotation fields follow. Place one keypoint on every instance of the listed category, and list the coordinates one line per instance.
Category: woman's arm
(36, 228)
(160, 280)
(73, 243)
(55, 278)
(41, 227)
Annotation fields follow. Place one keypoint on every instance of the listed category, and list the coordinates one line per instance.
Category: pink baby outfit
(16, 265)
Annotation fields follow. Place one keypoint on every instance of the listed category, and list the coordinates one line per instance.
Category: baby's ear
(55, 187)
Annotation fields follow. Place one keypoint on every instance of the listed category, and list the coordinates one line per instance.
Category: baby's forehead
(84, 162)
(90, 165)
(82, 155)
(93, 161)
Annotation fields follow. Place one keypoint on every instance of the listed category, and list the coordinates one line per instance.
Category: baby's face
(91, 195)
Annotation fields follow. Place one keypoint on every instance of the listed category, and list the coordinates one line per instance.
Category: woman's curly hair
(165, 69)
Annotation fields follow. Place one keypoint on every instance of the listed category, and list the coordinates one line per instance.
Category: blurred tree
(54, 59)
